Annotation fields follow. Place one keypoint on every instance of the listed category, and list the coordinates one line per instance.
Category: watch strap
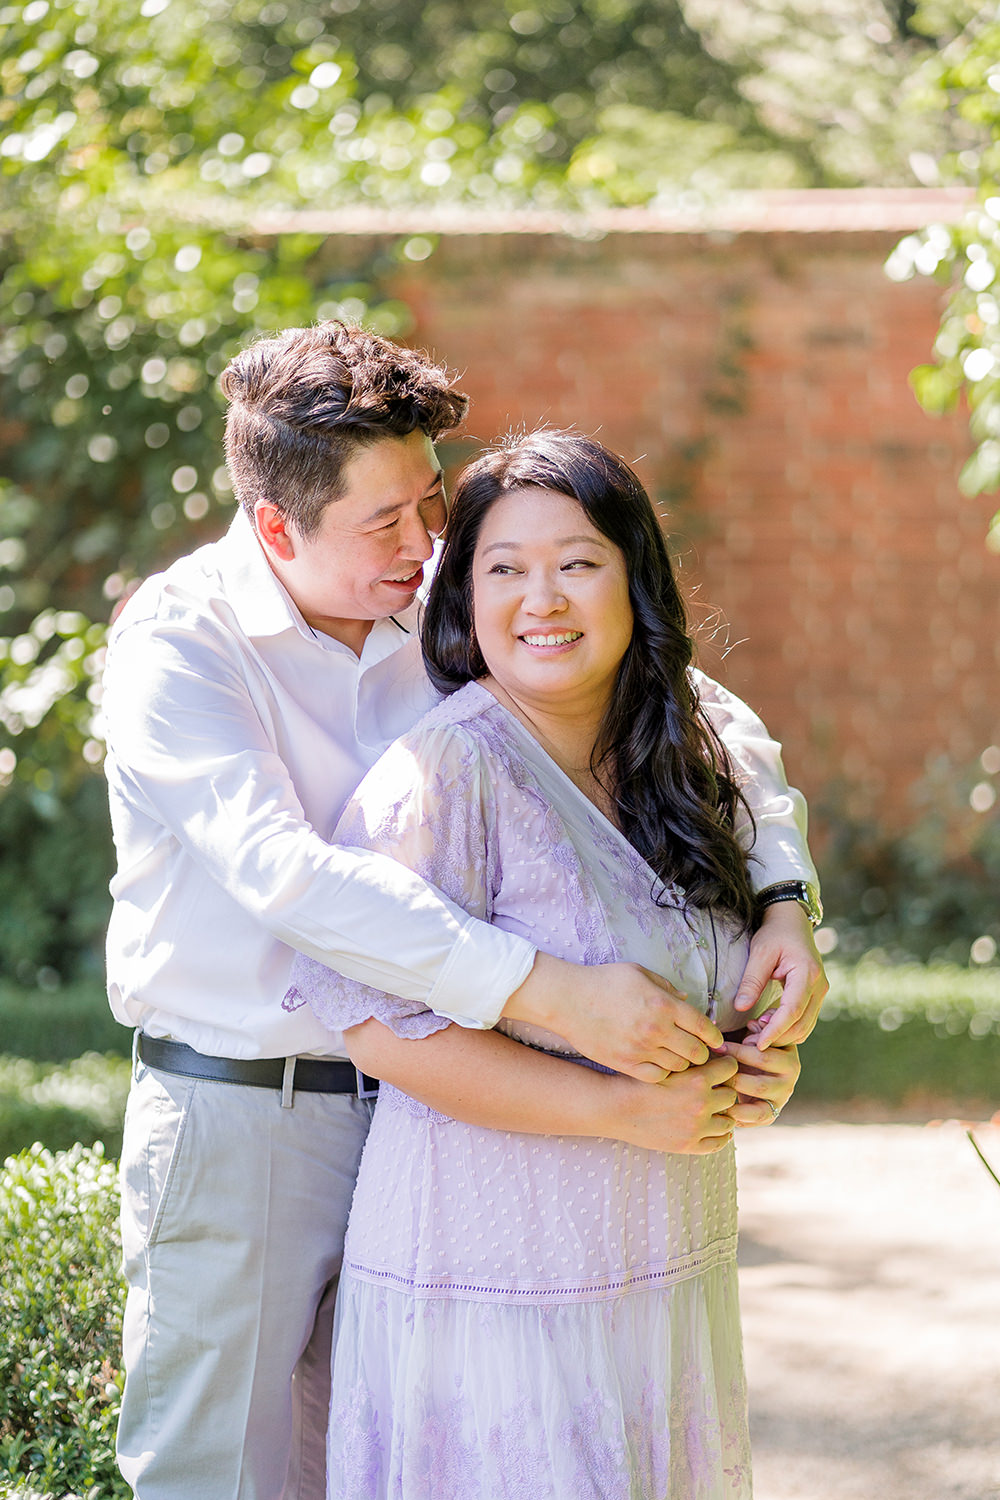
(793, 890)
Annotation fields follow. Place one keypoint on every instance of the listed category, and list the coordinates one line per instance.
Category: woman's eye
(579, 562)
(502, 569)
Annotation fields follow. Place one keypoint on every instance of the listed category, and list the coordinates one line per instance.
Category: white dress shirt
(235, 735)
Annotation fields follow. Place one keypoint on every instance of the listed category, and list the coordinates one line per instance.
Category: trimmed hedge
(60, 1323)
(848, 1059)
(906, 1034)
(62, 1104)
(951, 998)
(57, 1025)
(64, 1071)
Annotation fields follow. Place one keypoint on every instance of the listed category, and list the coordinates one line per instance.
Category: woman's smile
(568, 639)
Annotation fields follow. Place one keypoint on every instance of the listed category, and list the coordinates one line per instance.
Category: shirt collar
(262, 604)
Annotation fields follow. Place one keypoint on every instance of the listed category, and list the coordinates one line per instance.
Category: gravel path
(870, 1274)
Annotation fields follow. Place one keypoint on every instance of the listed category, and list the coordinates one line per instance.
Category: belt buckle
(363, 1091)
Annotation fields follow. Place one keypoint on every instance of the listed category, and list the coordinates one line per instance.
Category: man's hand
(690, 1112)
(617, 1014)
(764, 1079)
(783, 949)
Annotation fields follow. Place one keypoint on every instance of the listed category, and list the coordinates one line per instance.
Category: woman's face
(550, 602)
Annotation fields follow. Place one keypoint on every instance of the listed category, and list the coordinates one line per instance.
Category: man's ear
(272, 528)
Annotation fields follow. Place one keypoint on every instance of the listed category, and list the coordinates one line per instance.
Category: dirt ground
(870, 1275)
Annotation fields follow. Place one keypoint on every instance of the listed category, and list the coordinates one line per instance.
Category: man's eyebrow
(562, 541)
(391, 510)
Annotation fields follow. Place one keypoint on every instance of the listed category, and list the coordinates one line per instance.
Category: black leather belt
(312, 1075)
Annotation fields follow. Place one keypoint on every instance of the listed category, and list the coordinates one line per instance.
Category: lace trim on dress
(591, 1289)
(340, 1002)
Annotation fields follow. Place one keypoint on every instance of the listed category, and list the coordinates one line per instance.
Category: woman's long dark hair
(672, 782)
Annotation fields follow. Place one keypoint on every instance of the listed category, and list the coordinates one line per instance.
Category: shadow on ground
(871, 1305)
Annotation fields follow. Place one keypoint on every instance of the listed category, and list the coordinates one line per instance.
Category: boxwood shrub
(60, 1324)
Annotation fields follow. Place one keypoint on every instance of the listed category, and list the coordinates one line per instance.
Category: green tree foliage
(833, 79)
(116, 333)
(963, 81)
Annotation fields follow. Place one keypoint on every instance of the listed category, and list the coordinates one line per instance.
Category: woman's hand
(488, 1079)
(688, 1112)
(764, 1079)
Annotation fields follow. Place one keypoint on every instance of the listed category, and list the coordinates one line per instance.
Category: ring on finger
(775, 1111)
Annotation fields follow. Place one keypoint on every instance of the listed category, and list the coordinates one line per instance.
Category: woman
(540, 1316)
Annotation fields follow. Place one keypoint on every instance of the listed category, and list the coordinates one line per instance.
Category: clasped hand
(696, 1110)
(632, 1020)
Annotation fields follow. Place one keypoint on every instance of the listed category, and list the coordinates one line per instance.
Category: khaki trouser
(233, 1218)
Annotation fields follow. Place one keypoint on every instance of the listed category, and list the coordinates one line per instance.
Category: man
(248, 689)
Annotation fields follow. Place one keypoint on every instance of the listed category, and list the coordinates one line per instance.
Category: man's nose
(416, 543)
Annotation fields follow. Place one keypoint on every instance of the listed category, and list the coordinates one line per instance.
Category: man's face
(365, 561)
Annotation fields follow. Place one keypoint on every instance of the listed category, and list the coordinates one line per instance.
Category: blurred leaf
(936, 388)
(981, 471)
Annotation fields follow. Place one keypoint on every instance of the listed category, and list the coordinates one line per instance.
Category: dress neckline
(603, 823)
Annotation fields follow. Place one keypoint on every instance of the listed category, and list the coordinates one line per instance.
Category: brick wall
(759, 382)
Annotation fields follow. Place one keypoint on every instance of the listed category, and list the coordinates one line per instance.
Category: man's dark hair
(301, 403)
(676, 792)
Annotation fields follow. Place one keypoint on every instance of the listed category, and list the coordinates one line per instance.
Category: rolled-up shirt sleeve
(780, 848)
(193, 758)
(429, 803)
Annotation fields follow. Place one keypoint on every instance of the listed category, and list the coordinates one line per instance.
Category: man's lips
(407, 585)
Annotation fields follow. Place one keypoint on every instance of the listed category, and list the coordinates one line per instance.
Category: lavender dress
(530, 1317)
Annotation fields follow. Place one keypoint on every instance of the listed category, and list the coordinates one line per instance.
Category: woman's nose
(544, 596)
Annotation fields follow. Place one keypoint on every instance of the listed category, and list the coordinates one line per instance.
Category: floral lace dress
(529, 1317)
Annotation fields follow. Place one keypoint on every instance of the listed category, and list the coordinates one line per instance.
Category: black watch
(793, 890)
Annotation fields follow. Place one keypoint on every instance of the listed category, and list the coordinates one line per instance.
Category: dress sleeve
(429, 805)
(780, 850)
